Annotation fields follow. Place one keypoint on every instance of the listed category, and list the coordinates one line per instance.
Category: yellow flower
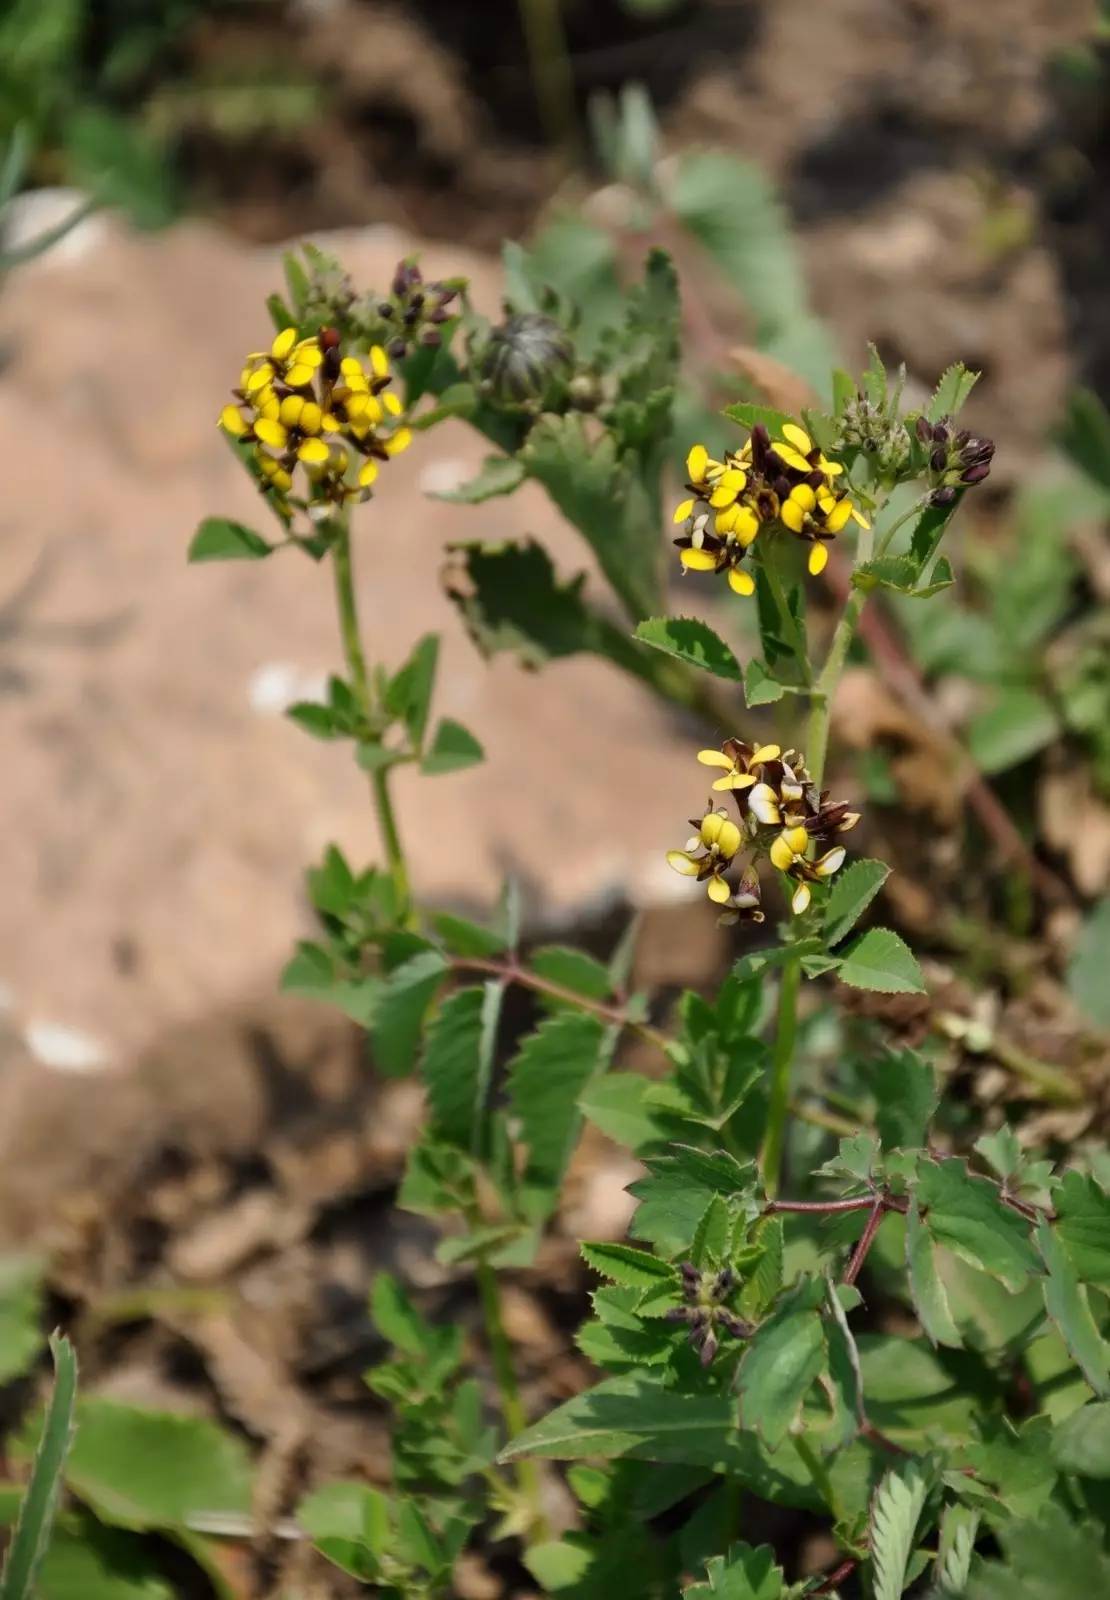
(709, 853)
(739, 761)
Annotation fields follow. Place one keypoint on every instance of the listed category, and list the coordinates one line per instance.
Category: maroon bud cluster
(704, 1313)
(957, 459)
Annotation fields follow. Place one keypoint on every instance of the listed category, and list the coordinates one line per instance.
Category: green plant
(741, 1364)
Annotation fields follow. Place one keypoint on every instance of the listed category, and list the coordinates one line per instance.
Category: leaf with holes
(691, 641)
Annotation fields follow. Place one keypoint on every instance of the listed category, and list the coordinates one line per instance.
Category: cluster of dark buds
(956, 459)
(415, 311)
(705, 1312)
(782, 815)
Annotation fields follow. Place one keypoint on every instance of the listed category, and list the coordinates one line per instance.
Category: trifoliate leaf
(852, 892)
(782, 1361)
(498, 475)
(545, 1078)
(880, 960)
(930, 1298)
(742, 1574)
(453, 747)
(691, 641)
(895, 1512)
(1066, 1303)
(399, 1012)
(457, 1061)
(218, 539)
(967, 1215)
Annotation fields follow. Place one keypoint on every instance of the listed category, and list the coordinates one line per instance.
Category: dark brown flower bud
(977, 473)
(924, 430)
(943, 497)
(940, 433)
(938, 460)
(709, 1348)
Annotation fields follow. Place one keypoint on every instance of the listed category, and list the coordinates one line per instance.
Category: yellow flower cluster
(785, 482)
(303, 403)
(780, 813)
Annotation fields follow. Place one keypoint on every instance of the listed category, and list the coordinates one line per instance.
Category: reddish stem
(836, 1577)
(828, 1208)
(866, 1240)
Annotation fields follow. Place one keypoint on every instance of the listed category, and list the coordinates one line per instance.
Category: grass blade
(36, 1514)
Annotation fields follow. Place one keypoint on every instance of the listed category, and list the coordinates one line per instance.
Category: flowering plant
(884, 1350)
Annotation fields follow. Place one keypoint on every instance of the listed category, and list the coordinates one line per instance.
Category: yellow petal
(781, 854)
(729, 839)
(309, 352)
(313, 452)
(797, 839)
(764, 806)
(859, 517)
(818, 558)
(801, 899)
(716, 758)
(830, 862)
(330, 424)
(798, 437)
(283, 344)
(379, 361)
(367, 474)
(725, 521)
(721, 497)
(682, 511)
(717, 890)
(259, 378)
(802, 495)
(792, 458)
(696, 463)
(398, 441)
(271, 432)
(289, 412)
(298, 375)
(231, 421)
(838, 516)
(746, 525)
(311, 417)
(681, 862)
(392, 403)
(737, 780)
(766, 752)
(831, 469)
(698, 560)
(792, 516)
(740, 582)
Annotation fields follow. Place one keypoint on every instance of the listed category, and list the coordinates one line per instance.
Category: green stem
(782, 603)
(512, 1406)
(817, 1471)
(351, 635)
(817, 737)
(774, 1139)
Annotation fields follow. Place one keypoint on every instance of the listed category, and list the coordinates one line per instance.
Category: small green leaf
(691, 641)
(895, 1511)
(616, 1104)
(930, 1298)
(781, 1362)
(1090, 963)
(571, 969)
(1066, 1303)
(499, 475)
(399, 1012)
(742, 1574)
(951, 392)
(852, 892)
(349, 1523)
(677, 1189)
(218, 539)
(466, 938)
(1018, 724)
(880, 960)
(31, 1537)
(967, 1215)
(453, 747)
(760, 689)
(545, 1079)
(456, 1064)
(628, 1267)
(408, 694)
(1081, 1443)
(1083, 1226)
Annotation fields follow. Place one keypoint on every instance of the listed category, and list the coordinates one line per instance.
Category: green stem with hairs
(355, 656)
(504, 1372)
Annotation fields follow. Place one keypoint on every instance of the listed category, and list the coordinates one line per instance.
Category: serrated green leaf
(156, 1469)
(760, 689)
(1081, 1443)
(1090, 963)
(929, 530)
(399, 1011)
(880, 960)
(930, 1298)
(677, 1190)
(408, 694)
(218, 539)
(967, 1215)
(626, 1266)
(499, 475)
(853, 890)
(895, 1512)
(1018, 724)
(742, 1574)
(765, 1284)
(545, 1079)
(905, 1090)
(31, 1536)
(1066, 1303)
(959, 1527)
(571, 969)
(617, 1105)
(845, 1376)
(782, 1361)
(691, 641)
(21, 1296)
(453, 747)
(1051, 1557)
(711, 1236)
(456, 1064)
(951, 392)
(1083, 1226)
(465, 938)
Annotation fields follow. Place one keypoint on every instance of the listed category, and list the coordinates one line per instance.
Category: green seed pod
(526, 357)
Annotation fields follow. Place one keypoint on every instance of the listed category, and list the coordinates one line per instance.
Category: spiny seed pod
(527, 355)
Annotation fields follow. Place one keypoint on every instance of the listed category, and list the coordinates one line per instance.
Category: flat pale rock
(158, 810)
